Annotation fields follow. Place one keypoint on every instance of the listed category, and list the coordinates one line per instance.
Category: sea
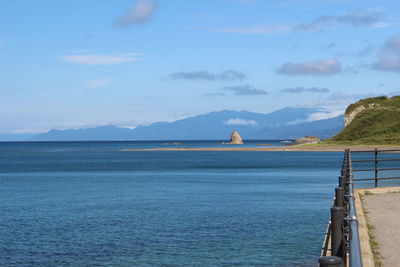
(94, 204)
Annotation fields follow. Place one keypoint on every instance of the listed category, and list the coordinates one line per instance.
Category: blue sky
(69, 64)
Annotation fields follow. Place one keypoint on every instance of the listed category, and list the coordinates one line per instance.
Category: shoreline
(293, 148)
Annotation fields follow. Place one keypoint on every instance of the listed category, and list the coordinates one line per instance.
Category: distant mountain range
(287, 123)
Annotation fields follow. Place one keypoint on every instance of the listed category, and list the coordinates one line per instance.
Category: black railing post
(337, 244)
(343, 228)
(339, 197)
(345, 172)
(330, 261)
(376, 167)
(342, 181)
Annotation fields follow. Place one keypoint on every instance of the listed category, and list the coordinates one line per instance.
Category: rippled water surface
(87, 203)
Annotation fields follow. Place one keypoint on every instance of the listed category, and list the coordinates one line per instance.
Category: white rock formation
(235, 139)
(348, 118)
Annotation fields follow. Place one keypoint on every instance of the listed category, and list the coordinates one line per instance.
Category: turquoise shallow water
(86, 203)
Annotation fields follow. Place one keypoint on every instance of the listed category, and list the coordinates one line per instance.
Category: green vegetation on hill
(378, 123)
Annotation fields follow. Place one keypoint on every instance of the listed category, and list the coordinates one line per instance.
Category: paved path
(384, 215)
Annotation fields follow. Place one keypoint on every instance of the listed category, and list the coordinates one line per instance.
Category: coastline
(293, 148)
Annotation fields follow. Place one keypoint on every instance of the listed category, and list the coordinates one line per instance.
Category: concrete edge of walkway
(366, 251)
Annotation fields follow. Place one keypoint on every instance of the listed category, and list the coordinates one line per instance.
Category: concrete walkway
(383, 206)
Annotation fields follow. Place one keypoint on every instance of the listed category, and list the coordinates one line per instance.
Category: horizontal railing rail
(376, 169)
(373, 179)
(369, 151)
(373, 160)
(380, 169)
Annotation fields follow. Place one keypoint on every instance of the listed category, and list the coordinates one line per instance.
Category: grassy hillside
(378, 123)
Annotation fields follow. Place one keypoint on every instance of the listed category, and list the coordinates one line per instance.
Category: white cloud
(257, 29)
(141, 12)
(245, 90)
(299, 89)
(226, 75)
(318, 67)
(240, 122)
(28, 131)
(94, 84)
(389, 56)
(321, 115)
(359, 18)
(101, 59)
(383, 25)
(324, 115)
(341, 99)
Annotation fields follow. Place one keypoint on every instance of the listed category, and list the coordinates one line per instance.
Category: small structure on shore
(307, 140)
(235, 139)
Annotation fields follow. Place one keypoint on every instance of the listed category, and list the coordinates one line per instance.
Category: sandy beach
(316, 148)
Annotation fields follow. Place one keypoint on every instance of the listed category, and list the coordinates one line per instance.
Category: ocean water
(89, 204)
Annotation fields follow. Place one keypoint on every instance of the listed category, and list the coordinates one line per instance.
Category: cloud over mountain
(240, 122)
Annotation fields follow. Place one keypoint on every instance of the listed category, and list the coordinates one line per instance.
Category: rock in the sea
(235, 139)
(307, 140)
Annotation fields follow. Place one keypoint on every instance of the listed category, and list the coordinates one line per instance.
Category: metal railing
(376, 168)
(342, 230)
(341, 240)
